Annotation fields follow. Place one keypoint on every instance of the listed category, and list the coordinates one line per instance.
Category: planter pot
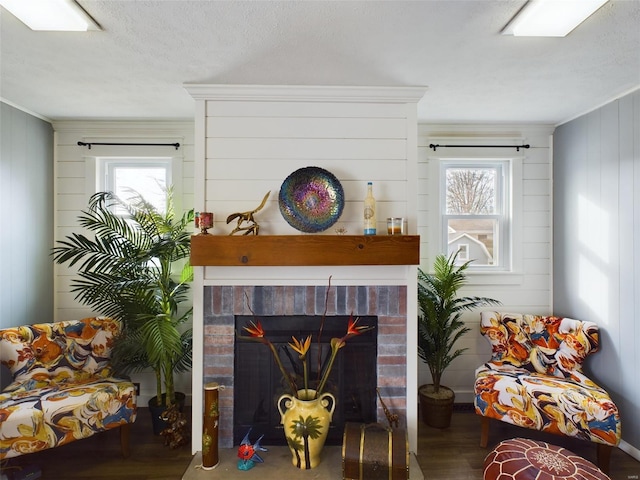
(156, 411)
(436, 408)
(306, 425)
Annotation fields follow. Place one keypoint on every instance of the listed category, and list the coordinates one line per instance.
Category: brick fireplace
(387, 302)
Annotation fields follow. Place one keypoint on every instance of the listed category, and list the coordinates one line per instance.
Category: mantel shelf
(304, 250)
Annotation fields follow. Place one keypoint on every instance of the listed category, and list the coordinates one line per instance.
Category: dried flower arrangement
(302, 347)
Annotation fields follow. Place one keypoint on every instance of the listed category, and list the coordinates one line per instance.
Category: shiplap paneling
(306, 148)
(279, 169)
(26, 213)
(596, 244)
(537, 234)
(306, 127)
(251, 147)
(70, 169)
(530, 290)
(75, 183)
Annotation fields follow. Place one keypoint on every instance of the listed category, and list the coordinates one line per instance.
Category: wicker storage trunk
(374, 452)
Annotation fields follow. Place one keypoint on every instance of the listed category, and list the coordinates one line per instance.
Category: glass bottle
(369, 211)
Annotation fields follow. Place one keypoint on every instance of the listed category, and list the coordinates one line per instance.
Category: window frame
(463, 253)
(503, 216)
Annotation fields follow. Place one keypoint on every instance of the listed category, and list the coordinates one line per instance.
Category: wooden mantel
(304, 250)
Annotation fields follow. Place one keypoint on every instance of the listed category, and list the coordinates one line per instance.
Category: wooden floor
(99, 457)
(455, 452)
(449, 454)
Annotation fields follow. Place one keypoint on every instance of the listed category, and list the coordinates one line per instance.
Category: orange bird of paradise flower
(353, 329)
(257, 333)
(302, 347)
(255, 329)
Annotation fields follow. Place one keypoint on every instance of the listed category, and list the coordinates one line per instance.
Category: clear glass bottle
(369, 211)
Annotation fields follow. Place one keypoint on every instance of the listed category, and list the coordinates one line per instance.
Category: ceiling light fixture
(51, 15)
(551, 18)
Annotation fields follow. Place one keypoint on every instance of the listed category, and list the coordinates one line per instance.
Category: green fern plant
(439, 312)
(126, 271)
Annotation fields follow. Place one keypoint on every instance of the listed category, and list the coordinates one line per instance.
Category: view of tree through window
(471, 190)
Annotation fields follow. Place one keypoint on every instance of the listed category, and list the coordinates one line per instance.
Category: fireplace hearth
(259, 382)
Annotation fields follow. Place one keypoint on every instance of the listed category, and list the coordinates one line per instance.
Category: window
(475, 206)
(149, 177)
(463, 251)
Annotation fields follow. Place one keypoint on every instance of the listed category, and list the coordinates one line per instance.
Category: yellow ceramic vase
(306, 422)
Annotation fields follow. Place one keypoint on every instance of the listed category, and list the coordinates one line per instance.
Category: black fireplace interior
(258, 382)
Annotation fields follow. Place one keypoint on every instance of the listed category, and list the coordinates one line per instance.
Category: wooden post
(210, 457)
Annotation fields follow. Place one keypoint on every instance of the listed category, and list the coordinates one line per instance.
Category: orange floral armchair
(535, 380)
(63, 389)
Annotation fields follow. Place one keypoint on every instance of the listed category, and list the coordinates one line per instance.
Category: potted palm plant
(439, 328)
(128, 272)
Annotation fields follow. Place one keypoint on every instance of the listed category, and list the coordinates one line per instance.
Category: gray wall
(26, 218)
(596, 244)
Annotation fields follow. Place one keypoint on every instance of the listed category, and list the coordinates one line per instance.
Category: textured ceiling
(136, 67)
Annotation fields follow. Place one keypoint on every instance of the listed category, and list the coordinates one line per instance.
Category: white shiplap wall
(75, 182)
(251, 151)
(528, 288)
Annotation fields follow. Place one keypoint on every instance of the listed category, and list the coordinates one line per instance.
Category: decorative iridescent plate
(311, 199)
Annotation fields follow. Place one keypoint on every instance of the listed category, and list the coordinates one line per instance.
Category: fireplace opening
(258, 382)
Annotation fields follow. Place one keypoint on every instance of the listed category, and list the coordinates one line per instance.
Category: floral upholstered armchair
(535, 380)
(63, 389)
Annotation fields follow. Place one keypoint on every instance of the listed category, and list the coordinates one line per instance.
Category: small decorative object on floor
(374, 452)
(177, 432)
(392, 418)
(210, 457)
(247, 217)
(306, 418)
(524, 459)
(248, 453)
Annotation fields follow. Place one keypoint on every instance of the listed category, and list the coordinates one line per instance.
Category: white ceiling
(136, 67)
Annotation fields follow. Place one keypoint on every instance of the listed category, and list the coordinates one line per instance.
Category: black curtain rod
(517, 147)
(176, 145)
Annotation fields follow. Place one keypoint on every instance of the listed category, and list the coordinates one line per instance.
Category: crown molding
(483, 130)
(87, 127)
(25, 110)
(304, 93)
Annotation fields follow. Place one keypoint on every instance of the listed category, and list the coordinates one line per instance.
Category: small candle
(205, 221)
(395, 226)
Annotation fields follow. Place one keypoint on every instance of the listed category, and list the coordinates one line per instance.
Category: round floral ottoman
(523, 459)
